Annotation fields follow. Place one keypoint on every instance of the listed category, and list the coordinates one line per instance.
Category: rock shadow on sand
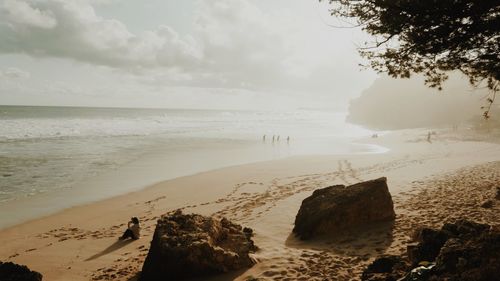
(370, 241)
(111, 248)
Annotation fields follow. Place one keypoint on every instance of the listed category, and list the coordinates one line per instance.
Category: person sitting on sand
(133, 229)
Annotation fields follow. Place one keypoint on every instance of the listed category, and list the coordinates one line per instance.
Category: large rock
(336, 208)
(191, 245)
(14, 272)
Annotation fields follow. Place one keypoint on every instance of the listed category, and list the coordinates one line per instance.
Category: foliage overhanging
(431, 37)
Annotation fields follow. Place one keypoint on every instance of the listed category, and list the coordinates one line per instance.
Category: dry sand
(430, 183)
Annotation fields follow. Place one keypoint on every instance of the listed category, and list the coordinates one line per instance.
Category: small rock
(385, 268)
(429, 242)
(487, 204)
(497, 195)
(10, 271)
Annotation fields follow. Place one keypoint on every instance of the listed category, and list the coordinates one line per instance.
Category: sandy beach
(430, 183)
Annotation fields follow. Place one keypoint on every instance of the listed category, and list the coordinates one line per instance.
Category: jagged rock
(465, 229)
(336, 208)
(430, 241)
(385, 268)
(14, 272)
(460, 251)
(191, 245)
(469, 258)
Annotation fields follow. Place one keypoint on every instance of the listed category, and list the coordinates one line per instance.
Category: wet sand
(429, 182)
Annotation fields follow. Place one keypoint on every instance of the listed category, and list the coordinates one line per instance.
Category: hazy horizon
(180, 108)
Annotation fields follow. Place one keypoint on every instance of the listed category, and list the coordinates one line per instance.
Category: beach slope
(430, 183)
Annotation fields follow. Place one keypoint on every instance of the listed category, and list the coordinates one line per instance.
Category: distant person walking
(278, 138)
(429, 137)
(264, 138)
(133, 229)
(288, 139)
(273, 138)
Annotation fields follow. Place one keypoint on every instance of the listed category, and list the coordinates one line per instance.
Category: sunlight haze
(181, 54)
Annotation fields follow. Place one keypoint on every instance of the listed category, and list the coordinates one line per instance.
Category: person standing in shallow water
(133, 229)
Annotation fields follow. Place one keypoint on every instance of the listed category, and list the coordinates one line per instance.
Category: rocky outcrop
(191, 245)
(470, 256)
(460, 251)
(429, 242)
(385, 268)
(14, 272)
(336, 208)
(427, 246)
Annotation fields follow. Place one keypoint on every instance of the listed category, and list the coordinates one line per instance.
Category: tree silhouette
(431, 37)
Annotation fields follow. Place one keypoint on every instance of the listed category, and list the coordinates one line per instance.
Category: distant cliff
(391, 104)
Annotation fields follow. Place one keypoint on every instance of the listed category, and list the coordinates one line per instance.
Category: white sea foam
(300, 123)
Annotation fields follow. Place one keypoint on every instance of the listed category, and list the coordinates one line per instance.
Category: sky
(221, 54)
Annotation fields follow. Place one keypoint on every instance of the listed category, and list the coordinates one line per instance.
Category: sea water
(57, 157)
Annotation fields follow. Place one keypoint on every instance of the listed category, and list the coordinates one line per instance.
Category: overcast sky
(177, 53)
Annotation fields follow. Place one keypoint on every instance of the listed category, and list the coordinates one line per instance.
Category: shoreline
(153, 168)
(75, 244)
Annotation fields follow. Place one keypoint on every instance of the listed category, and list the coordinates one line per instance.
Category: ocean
(53, 158)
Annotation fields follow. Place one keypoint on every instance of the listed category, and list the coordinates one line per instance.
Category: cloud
(254, 47)
(14, 73)
(71, 29)
(19, 12)
(243, 49)
(233, 44)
